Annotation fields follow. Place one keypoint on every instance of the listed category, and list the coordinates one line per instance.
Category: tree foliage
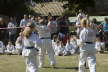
(13, 7)
(75, 5)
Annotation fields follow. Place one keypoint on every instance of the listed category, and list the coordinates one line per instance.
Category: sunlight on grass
(15, 63)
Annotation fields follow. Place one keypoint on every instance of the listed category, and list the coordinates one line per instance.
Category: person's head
(55, 37)
(11, 19)
(27, 32)
(98, 39)
(58, 42)
(31, 25)
(39, 17)
(106, 20)
(85, 23)
(29, 29)
(80, 11)
(36, 18)
(25, 16)
(9, 43)
(1, 20)
(29, 16)
(42, 21)
(50, 18)
(32, 18)
(94, 20)
(21, 34)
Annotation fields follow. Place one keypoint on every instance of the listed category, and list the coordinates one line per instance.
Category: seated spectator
(2, 47)
(99, 45)
(65, 38)
(59, 48)
(54, 39)
(10, 49)
(71, 45)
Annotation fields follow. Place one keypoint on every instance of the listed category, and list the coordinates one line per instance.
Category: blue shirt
(105, 27)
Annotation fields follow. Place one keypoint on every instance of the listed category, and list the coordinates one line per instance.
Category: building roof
(55, 8)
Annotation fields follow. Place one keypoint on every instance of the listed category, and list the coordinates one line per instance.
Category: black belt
(89, 42)
(32, 48)
(45, 38)
(29, 47)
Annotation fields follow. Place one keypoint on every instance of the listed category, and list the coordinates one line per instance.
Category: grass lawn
(15, 63)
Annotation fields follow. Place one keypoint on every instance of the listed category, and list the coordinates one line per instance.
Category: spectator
(63, 25)
(59, 48)
(99, 45)
(52, 26)
(24, 21)
(2, 47)
(10, 49)
(12, 31)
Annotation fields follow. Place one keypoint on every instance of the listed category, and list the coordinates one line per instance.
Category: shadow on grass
(75, 68)
(105, 52)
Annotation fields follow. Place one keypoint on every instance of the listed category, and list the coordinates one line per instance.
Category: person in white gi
(29, 49)
(59, 48)
(99, 45)
(18, 43)
(54, 40)
(2, 47)
(87, 47)
(10, 48)
(71, 46)
(46, 45)
(80, 16)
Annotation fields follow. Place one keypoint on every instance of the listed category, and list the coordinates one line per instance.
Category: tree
(75, 5)
(13, 7)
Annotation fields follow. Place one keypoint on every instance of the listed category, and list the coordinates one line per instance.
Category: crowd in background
(64, 41)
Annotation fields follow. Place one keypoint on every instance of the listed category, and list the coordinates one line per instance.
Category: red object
(65, 38)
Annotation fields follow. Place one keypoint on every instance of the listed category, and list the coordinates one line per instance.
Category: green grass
(15, 63)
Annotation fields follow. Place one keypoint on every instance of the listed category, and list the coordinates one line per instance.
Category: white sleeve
(9, 25)
(82, 36)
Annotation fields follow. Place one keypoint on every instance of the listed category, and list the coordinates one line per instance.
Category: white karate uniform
(10, 49)
(2, 47)
(53, 45)
(100, 46)
(46, 45)
(18, 45)
(59, 50)
(71, 47)
(87, 50)
(30, 54)
(78, 27)
(81, 15)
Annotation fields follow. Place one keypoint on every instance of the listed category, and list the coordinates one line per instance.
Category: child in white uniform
(100, 46)
(2, 47)
(54, 41)
(29, 50)
(10, 48)
(71, 45)
(59, 48)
